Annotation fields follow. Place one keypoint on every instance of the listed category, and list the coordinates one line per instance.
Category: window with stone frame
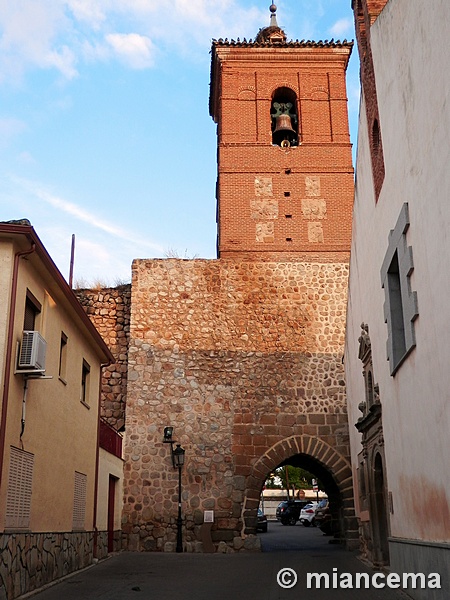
(369, 387)
(400, 306)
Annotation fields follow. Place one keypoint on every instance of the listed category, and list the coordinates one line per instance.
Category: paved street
(286, 538)
(221, 576)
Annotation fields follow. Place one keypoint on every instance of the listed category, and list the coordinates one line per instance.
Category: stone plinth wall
(238, 357)
(31, 560)
(102, 543)
(109, 310)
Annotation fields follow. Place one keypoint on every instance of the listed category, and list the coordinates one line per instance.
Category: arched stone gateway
(244, 360)
(318, 456)
(243, 355)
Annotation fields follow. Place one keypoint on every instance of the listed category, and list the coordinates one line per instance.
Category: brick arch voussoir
(326, 455)
(284, 84)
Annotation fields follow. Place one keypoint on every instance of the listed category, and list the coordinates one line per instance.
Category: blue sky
(104, 125)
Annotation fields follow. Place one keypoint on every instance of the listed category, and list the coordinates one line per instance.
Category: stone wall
(29, 561)
(109, 310)
(244, 359)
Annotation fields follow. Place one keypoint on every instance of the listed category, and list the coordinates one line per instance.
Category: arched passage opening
(329, 486)
(319, 458)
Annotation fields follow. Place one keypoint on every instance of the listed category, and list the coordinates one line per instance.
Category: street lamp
(178, 462)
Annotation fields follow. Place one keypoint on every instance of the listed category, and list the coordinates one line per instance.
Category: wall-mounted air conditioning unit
(32, 351)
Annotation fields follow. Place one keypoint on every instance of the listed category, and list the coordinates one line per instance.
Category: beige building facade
(51, 358)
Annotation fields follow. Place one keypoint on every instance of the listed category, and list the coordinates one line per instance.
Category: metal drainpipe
(24, 405)
(12, 313)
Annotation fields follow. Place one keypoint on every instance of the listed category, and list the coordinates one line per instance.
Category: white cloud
(134, 50)
(92, 219)
(98, 263)
(97, 51)
(342, 27)
(30, 38)
(88, 249)
(73, 210)
(95, 261)
(88, 11)
(64, 61)
(58, 34)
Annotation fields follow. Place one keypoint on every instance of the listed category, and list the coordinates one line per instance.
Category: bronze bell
(283, 124)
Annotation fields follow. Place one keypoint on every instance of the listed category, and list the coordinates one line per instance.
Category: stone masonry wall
(238, 357)
(31, 560)
(109, 310)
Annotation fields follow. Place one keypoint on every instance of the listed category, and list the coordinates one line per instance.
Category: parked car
(261, 524)
(323, 518)
(308, 513)
(288, 511)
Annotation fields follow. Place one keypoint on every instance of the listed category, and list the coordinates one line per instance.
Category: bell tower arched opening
(284, 115)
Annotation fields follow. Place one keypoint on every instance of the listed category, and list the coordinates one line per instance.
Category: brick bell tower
(285, 174)
(243, 355)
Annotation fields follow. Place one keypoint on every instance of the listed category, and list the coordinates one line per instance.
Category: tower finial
(273, 16)
(271, 34)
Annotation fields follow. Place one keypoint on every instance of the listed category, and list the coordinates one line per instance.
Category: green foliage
(297, 477)
(273, 482)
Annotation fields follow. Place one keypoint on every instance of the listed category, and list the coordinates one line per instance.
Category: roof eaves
(29, 232)
(291, 44)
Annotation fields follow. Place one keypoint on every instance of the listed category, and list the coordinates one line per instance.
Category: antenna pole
(72, 257)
